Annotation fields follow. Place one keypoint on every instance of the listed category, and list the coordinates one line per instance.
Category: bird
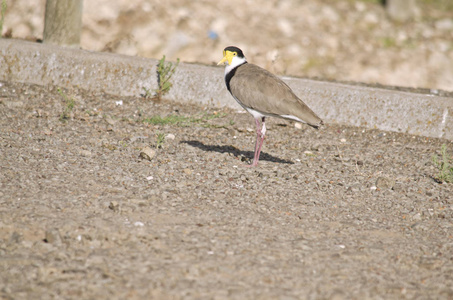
(262, 94)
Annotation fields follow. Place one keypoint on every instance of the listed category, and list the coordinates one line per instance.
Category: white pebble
(170, 136)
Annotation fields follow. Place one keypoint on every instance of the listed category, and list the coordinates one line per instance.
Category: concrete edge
(369, 107)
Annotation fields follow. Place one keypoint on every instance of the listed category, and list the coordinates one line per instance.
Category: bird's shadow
(235, 151)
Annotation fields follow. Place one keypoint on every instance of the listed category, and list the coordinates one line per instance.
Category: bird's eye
(235, 54)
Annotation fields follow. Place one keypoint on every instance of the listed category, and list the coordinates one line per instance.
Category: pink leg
(260, 132)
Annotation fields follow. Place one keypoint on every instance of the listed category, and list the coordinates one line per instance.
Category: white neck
(236, 61)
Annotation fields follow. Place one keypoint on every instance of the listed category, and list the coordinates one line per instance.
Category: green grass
(160, 138)
(165, 71)
(168, 120)
(68, 107)
(148, 94)
(444, 165)
(388, 42)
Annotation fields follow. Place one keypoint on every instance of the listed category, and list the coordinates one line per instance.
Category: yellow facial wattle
(227, 57)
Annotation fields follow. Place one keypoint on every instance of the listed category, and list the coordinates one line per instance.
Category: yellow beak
(227, 57)
(224, 59)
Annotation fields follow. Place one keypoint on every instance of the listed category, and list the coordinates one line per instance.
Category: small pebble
(53, 236)
(139, 224)
(147, 153)
(110, 120)
(114, 206)
(385, 183)
(170, 136)
(85, 153)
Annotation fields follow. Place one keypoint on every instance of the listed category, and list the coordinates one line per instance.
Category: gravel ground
(335, 213)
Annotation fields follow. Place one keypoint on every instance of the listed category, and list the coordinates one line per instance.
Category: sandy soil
(335, 213)
(333, 39)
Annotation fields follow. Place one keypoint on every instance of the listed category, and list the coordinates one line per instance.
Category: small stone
(298, 125)
(147, 153)
(170, 136)
(85, 153)
(188, 171)
(316, 147)
(53, 236)
(232, 132)
(47, 131)
(38, 113)
(385, 183)
(110, 120)
(308, 153)
(114, 206)
(343, 140)
(417, 217)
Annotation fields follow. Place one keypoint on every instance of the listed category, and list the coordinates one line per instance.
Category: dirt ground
(335, 213)
(346, 40)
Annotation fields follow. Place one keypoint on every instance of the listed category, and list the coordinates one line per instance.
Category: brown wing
(258, 89)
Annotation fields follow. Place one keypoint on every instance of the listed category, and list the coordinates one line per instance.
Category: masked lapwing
(262, 94)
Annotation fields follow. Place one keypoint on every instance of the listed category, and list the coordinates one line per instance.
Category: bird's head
(232, 56)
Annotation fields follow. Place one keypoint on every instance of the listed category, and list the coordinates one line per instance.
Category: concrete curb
(370, 107)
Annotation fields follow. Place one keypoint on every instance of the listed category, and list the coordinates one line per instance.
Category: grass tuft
(69, 106)
(165, 71)
(444, 165)
(160, 138)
